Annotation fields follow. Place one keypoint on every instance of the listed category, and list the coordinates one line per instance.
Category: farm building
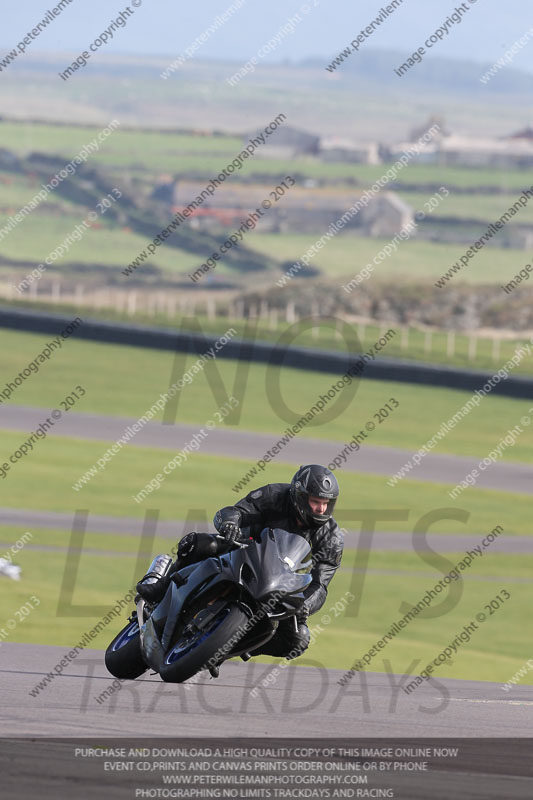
(348, 151)
(300, 210)
(462, 151)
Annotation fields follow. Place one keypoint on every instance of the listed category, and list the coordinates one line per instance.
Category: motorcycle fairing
(262, 570)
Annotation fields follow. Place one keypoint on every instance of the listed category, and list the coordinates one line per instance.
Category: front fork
(140, 620)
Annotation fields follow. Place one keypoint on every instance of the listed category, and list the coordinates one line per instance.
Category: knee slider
(300, 642)
(304, 636)
(196, 546)
(187, 545)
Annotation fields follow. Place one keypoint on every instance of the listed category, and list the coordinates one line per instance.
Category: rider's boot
(154, 584)
(192, 548)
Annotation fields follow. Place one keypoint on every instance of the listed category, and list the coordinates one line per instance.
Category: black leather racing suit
(270, 506)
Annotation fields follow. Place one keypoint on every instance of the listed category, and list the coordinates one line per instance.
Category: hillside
(360, 99)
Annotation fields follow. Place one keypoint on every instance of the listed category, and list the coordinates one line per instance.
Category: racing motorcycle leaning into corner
(225, 606)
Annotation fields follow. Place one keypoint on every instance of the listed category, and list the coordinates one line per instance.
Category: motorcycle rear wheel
(123, 657)
(189, 655)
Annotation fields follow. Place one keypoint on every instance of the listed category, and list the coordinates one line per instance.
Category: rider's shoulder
(270, 491)
(331, 530)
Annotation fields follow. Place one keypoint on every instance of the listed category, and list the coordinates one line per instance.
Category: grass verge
(112, 378)
(43, 481)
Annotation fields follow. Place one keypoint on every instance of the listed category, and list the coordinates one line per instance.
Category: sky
(166, 28)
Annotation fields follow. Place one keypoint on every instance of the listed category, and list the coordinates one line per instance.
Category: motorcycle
(223, 607)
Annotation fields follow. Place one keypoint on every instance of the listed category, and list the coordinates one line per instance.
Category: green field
(138, 159)
(495, 654)
(19, 190)
(140, 150)
(111, 244)
(106, 243)
(346, 255)
(56, 465)
(110, 375)
(484, 207)
(125, 382)
(126, 145)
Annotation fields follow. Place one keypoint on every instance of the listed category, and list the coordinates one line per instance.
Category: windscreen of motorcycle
(278, 561)
(293, 549)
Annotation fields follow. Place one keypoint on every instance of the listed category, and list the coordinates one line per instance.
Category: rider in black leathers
(305, 507)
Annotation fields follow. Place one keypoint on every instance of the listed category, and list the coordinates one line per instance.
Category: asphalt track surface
(302, 702)
(174, 530)
(306, 698)
(504, 476)
(303, 706)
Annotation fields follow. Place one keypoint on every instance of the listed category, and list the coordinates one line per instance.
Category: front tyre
(123, 657)
(199, 648)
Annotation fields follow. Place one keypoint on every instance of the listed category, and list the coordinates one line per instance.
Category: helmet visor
(321, 515)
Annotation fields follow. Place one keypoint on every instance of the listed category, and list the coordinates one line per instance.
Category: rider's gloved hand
(302, 614)
(153, 592)
(230, 531)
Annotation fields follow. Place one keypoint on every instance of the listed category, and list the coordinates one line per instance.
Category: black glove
(153, 592)
(230, 531)
(302, 614)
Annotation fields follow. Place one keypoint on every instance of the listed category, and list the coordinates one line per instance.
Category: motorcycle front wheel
(200, 648)
(123, 657)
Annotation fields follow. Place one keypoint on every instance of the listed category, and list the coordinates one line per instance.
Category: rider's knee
(196, 546)
(299, 642)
